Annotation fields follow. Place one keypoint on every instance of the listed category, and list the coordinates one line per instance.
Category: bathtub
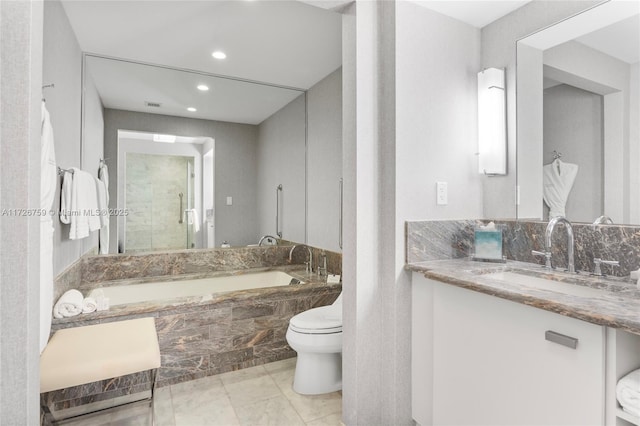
(166, 290)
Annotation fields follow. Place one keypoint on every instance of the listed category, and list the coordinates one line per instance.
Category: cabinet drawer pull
(561, 339)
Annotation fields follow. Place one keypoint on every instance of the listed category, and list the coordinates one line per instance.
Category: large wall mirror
(206, 152)
(578, 99)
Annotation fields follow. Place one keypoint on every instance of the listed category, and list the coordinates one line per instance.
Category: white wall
(499, 50)
(93, 137)
(376, 366)
(20, 124)
(62, 66)
(634, 140)
(530, 133)
(437, 62)
(324, 161)
(437, 135)
(281, 160)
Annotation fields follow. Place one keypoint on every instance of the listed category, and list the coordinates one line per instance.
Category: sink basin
(539, 283)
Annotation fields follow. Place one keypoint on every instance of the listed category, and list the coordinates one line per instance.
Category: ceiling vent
(152, 104)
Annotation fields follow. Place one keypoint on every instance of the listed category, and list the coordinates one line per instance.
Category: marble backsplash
(93, 269)
(450, 239)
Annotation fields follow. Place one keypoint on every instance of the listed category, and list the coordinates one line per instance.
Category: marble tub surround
(334, 259)
(179, 262)
(201, 336)
(616, 303)
(68, 279)
(139, 309)
(91, 269)
(432, 240)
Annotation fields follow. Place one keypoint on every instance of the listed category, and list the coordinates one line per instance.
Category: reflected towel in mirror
(558, 178)
(79, 204)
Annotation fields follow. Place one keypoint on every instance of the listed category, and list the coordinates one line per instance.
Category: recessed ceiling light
(164, 138)
(219, 54)
(191, 109)
(203, 87)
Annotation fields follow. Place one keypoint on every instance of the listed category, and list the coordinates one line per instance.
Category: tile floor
(254, 396)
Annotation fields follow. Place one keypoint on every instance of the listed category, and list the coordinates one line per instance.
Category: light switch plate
(229, 201)
(441, 194)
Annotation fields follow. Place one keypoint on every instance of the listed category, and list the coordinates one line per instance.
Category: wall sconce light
(492, 122)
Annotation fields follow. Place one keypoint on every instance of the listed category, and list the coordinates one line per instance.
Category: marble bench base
(103, 394)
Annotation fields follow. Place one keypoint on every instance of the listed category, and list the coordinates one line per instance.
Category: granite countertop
(610, 301)
(310, 282)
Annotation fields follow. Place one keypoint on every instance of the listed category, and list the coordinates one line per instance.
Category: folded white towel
(69, 304)
(628, 393)
(89, 305)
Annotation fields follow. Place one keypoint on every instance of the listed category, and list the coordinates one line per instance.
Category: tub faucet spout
(547, 242)
(267, 237)
(309, 264)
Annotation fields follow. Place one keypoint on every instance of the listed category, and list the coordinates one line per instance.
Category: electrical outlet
(441, 194)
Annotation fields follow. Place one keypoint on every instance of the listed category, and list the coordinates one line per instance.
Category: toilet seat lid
(325, 319)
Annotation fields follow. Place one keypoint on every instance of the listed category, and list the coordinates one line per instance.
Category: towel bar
(62, 171)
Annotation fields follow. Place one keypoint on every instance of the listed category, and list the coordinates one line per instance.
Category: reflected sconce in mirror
(492, 122)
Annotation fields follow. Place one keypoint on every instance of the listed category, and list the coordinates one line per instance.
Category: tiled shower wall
(153, 183)
(433, 240)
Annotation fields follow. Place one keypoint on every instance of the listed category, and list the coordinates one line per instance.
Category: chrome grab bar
(181, 219)
(278, 191)
(341, 185)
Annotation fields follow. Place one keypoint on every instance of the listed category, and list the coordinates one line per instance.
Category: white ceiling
(477, 13)
(127, 86)
(282, 43)
(620, 40)
(287, 43)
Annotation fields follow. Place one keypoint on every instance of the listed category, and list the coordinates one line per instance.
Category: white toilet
(316, 335)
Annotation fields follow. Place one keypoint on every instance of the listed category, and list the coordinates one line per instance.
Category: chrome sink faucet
(547, 241)
(309, 264)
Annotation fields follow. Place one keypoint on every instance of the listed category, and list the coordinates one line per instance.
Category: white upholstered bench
(81, 355)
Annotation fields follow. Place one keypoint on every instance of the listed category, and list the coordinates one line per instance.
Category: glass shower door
(158, 190)
(192, 216)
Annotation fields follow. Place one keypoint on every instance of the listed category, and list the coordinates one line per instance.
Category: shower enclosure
(159, 199)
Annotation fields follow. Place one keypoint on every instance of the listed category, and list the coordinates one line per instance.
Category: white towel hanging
(48, 186)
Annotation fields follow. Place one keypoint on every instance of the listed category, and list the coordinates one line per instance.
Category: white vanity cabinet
(481, 360)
